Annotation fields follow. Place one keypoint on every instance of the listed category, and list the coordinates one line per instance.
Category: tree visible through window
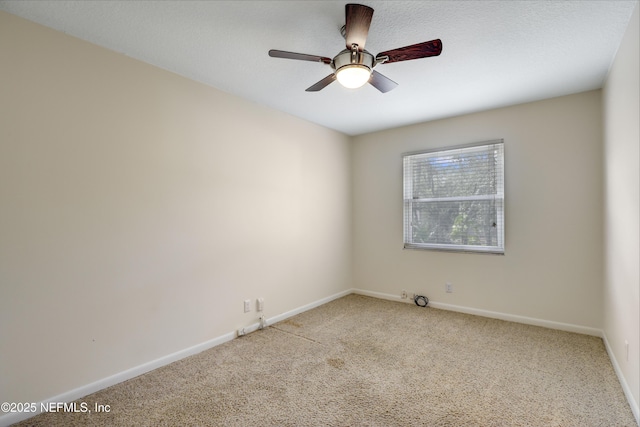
(454, 199)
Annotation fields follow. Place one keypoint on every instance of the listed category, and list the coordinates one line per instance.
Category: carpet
(361, 361)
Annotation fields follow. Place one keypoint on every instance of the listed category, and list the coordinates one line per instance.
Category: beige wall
(622, 218)
(552, 267)
(139, 209)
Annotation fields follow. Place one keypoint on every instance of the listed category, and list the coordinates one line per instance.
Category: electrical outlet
(448, 287)
(260, 304)
(247, 305)
(626, 349)
(404, 294)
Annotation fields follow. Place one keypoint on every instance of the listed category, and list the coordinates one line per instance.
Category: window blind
(454, 198)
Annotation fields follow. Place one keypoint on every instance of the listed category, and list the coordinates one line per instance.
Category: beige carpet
(360, 361)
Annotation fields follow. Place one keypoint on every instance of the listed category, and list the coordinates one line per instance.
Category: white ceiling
(495, 53)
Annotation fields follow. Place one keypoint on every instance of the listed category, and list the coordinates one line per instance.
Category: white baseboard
(492, 314)
(80, 392)
(283, 316)
(623, 381)
(279, 318)
(85, 390)
(93, 387)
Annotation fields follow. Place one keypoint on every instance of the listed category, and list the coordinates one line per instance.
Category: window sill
(456, 248)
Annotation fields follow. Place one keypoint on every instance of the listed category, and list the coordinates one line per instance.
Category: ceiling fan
(353, 67)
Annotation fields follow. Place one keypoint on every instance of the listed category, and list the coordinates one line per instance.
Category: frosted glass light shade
(353, 76)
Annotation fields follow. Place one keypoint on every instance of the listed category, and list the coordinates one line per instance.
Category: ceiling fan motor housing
(348, 57)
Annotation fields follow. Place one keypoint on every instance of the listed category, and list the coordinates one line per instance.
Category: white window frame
(409, 200)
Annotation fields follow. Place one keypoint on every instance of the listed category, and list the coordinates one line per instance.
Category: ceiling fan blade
(322, 83)
(301, 56)
(383, 83)
(358, 20)
(415, 51)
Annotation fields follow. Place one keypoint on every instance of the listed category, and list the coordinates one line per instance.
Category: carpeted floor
(360, 361)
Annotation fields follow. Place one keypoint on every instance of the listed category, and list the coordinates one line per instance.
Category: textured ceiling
(495, 53)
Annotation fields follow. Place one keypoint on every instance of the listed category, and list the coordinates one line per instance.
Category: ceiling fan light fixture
(353, 76)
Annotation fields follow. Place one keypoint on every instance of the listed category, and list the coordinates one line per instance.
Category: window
(454, 198)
